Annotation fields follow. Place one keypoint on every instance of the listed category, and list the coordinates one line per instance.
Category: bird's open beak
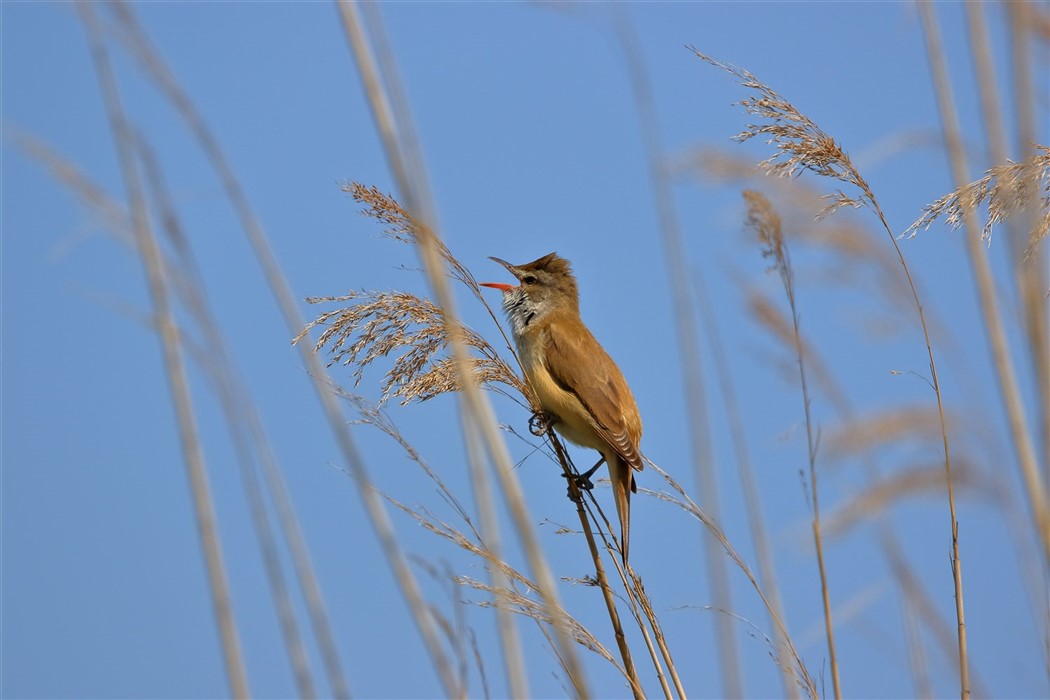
(500, 285)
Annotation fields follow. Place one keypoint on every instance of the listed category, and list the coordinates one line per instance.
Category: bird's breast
(574, 421)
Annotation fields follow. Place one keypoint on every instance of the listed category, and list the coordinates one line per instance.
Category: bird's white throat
(522, 311)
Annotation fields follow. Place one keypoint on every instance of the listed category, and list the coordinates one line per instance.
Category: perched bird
(578, 385)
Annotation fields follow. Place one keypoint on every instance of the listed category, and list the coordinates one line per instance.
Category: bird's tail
(622, 479)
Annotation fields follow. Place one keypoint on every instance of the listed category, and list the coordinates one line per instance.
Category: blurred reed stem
(799, 144)
(153, 265)
(985, 283)
(689, 353)
(683, 501)
(215, 361)
(473, 403)
(767, 224)
(989, 304)
(1033, 271)
(166, 82)
(752, 501)
(1029, 271)
(913, 593)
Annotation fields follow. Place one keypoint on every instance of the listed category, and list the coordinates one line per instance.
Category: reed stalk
(766, 223)
(166, 82)
(799, 144)
(689, 353)
(153, 265)
(474, 402)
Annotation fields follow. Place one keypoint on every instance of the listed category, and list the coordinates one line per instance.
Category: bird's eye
(529, 279)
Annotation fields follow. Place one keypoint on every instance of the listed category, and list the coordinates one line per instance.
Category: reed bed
(375, 357)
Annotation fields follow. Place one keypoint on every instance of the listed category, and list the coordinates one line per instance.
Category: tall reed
(800, 145)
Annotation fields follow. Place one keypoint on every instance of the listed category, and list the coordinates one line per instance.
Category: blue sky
(532, 141)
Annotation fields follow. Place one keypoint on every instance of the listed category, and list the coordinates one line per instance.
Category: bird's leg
(541, 422)
(583, 481)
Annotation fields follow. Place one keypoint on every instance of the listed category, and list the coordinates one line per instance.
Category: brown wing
(583, 368)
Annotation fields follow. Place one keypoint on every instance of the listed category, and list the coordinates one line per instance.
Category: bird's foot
(577, 485)
(540, 423)
(582, 481)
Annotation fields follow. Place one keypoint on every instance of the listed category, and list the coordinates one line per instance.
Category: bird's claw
(540, 423)
(584, 482)
(578, 484)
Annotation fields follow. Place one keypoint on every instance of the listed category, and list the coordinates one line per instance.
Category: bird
(579, 387)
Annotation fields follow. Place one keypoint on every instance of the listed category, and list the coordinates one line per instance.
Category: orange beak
(500, 285)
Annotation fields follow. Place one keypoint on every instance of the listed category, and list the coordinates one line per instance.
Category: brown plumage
(576, 381)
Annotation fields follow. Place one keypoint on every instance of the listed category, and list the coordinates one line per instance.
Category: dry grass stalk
(683, 501)
(381, 323)
(245, 428)
(851, 245)
(490, 370)
(373, 415)
(1006, 190)
(844, 237)
(245, 432)
(113, 214)
(687, 336)
(987, 296)
(861, 437)
(475, 544)
(765, 222)
(638, 601)
(891, 427)
(800, 144)
(402, 226)
(400, 141)
(775, 321)
(1023, 18)
(749, 485)
(471, 539)
(511, 596)
(639, 605)
(1029, 274)
(453, 628)
(152, 261)
(384, 322)
(585, 515)
(529, 607)
(912, 482)
(143, 51)
(516, 601)
(410, 175)
(638, 593)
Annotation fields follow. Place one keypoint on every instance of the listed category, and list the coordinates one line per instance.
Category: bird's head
(544, 285)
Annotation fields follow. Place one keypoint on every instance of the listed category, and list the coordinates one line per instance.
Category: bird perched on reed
(578, 385)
